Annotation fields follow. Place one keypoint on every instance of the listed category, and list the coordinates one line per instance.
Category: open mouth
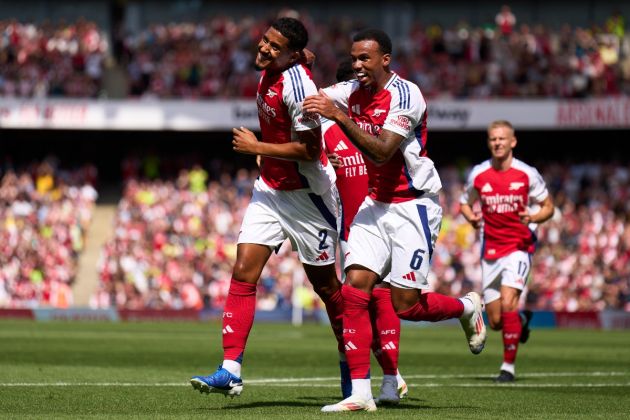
(262, 58)
(361, 77)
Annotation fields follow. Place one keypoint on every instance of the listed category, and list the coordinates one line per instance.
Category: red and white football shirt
(279, 99)
(503, 194)
(400, 108)
(352, 177)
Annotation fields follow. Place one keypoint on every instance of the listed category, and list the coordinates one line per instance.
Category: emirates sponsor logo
(502, 203)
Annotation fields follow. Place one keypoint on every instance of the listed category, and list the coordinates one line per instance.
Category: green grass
(141, 370)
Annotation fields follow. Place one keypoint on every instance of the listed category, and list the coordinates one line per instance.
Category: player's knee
(401, 306)
(325, 291)
(244, 272)
(494, 321)
(495, 326)
(405, 299)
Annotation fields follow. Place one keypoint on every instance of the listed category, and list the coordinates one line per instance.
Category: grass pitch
(141, 370)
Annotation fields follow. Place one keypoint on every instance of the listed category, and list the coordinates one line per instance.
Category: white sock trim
(508, 367)
(362, 387)
(469, 306)
(233, 367)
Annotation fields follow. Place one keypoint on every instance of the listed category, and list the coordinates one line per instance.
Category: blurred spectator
(505, 20)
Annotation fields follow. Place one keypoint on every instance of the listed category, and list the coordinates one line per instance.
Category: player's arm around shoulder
(384, 148)
(407, 110)
(306, 148)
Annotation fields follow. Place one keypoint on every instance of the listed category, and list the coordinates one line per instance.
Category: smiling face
(274, 54)
(370, 65)
(501, 141)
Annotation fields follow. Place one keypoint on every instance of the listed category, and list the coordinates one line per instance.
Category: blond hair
(500, 123)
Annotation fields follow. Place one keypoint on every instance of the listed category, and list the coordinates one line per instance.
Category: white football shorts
(511, 270)
(308, 220)
(396, 239)
(343, 250)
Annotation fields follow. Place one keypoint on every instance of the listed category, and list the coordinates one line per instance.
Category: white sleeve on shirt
(340, 93)
(297, 86)
(537, 187)
(406, 108)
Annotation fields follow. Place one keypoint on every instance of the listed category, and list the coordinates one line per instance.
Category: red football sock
(511, 333)
(433, 307)
(386, 330)
(238, 318)
(334, 309)
(357, 331)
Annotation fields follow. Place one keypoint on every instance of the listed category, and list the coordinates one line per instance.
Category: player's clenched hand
(335, 160)
(321, 104)
(307, 57)
(244, 141)
(475, 220)
(525, 217)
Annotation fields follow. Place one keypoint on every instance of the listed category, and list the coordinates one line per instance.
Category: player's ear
(387, 59)
(295, 56)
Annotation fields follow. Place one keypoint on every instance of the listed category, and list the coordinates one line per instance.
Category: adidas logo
(411, 276)
(341, 146)
(356, 109)
(350, 346)
(389, 346)
(486, 188)
(322, 257)
(227, 330)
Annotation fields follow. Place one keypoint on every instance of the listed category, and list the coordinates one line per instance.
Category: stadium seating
(212, 59)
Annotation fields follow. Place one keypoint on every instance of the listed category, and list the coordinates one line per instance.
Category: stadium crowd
(44, 215)
(174, 244)
(212, 58)
(46, 59)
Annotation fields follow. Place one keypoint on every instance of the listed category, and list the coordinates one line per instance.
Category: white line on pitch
(309, 381)
(413, 385)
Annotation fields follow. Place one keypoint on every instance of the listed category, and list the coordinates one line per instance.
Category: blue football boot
(221, 381)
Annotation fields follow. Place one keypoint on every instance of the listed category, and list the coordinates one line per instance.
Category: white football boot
(473, 325)
(352, 403)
